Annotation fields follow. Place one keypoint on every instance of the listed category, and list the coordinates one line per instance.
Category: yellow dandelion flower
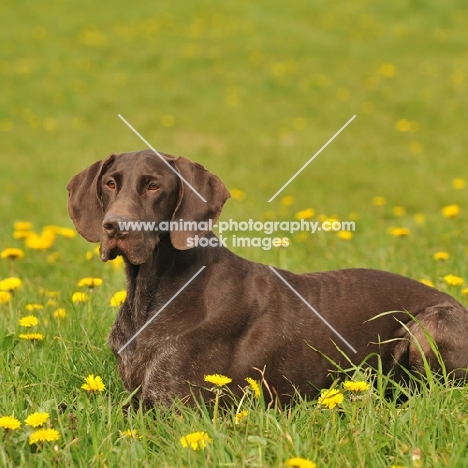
(28, 321)
(117, 263)
(79, 297)
(36, 419)
(331, 398)
(441, 256)
(93, 384)
(356, 386)
(288, 200)
(459, 184)
(51, 303)
(44, 435)
(450, 211)
(10, 284)
(379, 201)
(90, 282)
(5, 297)
(68, 233)
(387, 69)
(60, 314)
(237, 194)
(399, 232)
(39, 242)
(399, 211)
(254, 386)
(427, 282)
(49, 234)
(12, 254)
(344, 235)
(196, 440)
(89, 255)
(118, 298)
(9, 422)
(20, 235)
(33, 307)
(453, 280)
(403, 125)
(299, 462)
(305, 214)
(23, 226)
(31, 336)
(240, 416)
(465, 291)
(131, 434)
(51, 229)
(217, 379)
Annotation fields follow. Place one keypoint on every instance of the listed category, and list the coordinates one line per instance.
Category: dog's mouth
(111, 248)
(135, 251)
(112, 254)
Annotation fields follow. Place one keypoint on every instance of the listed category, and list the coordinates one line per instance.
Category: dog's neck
(154, 280)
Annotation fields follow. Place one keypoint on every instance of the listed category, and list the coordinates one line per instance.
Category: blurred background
(251, 90)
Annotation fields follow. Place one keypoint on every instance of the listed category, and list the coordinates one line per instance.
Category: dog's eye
(152, 186)
(111, 184)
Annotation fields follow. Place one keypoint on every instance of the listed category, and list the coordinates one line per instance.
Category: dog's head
(141, 187)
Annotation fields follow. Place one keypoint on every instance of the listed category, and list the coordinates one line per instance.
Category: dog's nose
(116, 226)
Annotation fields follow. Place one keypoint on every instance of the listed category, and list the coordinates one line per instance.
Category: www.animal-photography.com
(234, 234)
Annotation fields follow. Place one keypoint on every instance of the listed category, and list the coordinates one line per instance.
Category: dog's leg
(439, 332)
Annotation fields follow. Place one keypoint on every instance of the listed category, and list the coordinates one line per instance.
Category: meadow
(251, 90)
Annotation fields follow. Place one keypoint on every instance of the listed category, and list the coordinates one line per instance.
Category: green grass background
(250, 89)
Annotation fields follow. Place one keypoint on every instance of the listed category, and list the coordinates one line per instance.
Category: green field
(251, 90)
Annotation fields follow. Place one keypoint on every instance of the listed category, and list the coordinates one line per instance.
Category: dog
(192, 310)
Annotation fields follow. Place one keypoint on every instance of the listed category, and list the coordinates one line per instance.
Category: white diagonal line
(312, 309)
(161, 309)
(161, 156)
(312, 158)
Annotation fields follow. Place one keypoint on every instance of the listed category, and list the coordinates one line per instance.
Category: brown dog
(236, 315)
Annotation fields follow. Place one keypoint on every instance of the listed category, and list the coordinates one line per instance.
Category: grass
(251, 90)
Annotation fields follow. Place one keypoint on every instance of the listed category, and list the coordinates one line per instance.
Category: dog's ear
(190, 208)
(84, 200)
